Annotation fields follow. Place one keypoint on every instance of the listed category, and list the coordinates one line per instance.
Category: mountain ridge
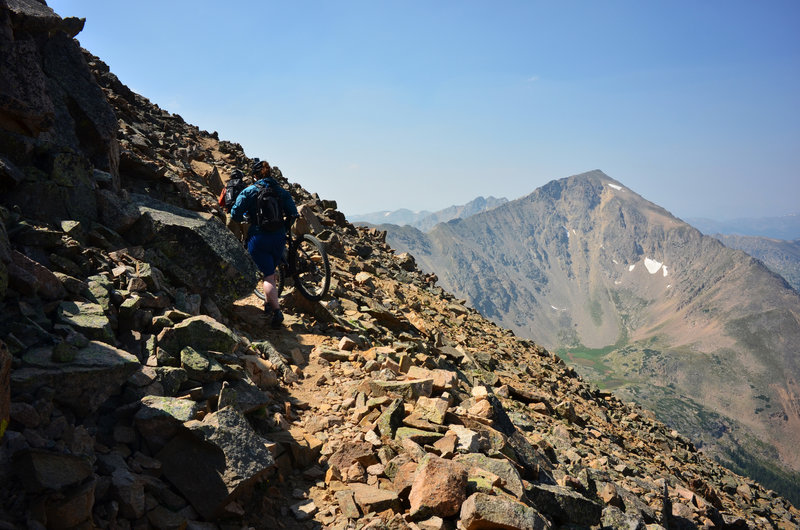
(780, 256)
(786, 227)
(425, 220)
(601, 268)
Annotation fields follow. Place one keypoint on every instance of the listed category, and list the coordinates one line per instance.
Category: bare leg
(271, 292)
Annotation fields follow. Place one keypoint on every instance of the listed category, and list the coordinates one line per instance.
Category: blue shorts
(266, 250)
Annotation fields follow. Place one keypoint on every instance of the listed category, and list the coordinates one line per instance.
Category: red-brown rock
(439, 488)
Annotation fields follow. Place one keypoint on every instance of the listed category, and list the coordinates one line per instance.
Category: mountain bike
(306, 263)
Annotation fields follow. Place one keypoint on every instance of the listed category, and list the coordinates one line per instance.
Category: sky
(381, 105)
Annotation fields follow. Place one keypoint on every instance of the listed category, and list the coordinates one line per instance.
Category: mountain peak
(593, 270)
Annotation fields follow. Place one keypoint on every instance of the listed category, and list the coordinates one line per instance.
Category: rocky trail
(140, 386)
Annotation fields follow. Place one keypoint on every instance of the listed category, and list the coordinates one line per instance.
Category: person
(266, 246)
(236, 182)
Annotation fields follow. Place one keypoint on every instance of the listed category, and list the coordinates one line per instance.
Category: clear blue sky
(423, 104)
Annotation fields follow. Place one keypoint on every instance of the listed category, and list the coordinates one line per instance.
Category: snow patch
(618, 188)
(615, 262)
(617, 282)
(652, 265)
(665, 271)
(557, 309)
(630, 269)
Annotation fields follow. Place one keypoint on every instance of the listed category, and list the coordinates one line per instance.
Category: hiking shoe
(277, 319)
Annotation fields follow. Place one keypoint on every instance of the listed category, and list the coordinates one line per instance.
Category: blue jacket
(245, 205)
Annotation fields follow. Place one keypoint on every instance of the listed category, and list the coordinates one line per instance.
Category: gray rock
(391, 418)
(615, 519)
(512, 482)
(481, 511)
(564, 505)
(248, 397)
(197, 249)
(536, 466)
(40, 470)
(215, 460)
(409, 390)
(170, 378)
(161, 517)
(160, 418)
(201, 367)
(97, 372)
(87, 318)
(202, 333)
(115, 212)
(128, 490)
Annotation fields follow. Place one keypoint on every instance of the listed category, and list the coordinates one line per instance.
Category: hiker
(270, 211)
(227, 198)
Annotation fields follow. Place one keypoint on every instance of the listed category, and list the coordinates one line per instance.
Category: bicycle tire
(312, 268)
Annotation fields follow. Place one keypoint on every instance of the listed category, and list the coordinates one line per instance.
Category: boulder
(196, 249)
(48, 94)
(374, 499)
(30, 278)
(564, 505)
(391, 418)
(170, 378)
(511, 481)
(128, 491)
(40, 470)
(97, 372)
(87, 318)
(72, 508)
(481, 511)
(439, 488)
(202, 332)
(431, 409)
(535, 464)
(361, 452)
(115, 212)
(247, 396)
(409, 390)
(160, 418)
(201, 367)
(215, 460)
(442, 379)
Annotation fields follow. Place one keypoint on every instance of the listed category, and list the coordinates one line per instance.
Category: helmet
(258, 164)
(237, 173)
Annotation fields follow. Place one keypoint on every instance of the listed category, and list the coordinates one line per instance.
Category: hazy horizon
(382, 106)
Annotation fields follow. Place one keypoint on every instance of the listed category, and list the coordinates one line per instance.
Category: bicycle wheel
(313, 271)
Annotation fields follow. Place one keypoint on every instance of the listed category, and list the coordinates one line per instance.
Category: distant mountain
(425, 220)
(782, 257)
(399, 217)
(640, 302)
(786, 227)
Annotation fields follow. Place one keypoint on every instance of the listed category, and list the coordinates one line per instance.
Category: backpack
(269, 212)
(233, 188)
